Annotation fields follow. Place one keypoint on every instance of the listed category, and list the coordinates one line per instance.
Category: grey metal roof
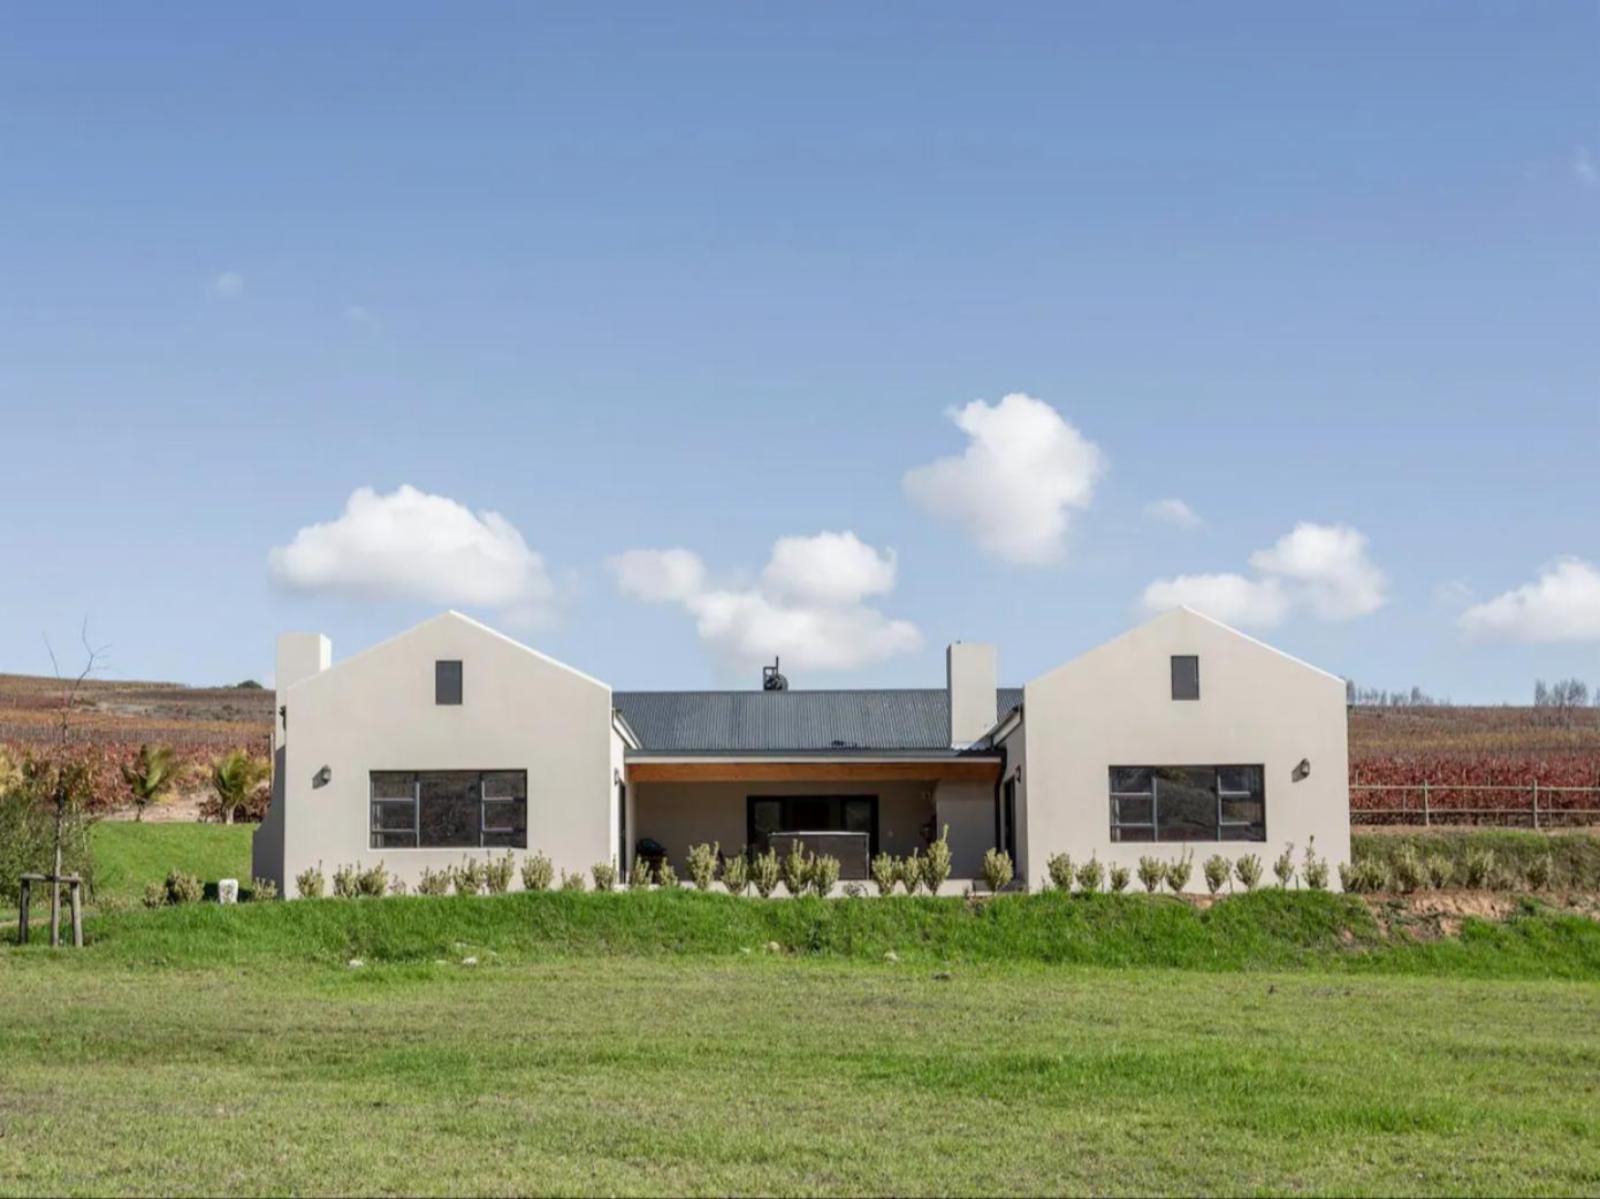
(794, 721)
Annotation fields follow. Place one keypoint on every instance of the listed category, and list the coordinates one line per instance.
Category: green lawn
(127, 854)
(776, 1074)
(651, 1044)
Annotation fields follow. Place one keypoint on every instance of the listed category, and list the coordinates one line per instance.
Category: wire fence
(1521, 805)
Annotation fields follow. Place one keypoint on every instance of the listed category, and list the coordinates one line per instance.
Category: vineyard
(1475, 761)
(111, 720)
(1393, 751)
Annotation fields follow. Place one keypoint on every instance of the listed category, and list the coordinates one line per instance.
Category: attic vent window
(447, 681)
(1185, 676)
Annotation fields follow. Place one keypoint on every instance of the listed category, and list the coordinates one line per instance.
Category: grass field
(129, 855)
(716, 1075)
(646, 1044)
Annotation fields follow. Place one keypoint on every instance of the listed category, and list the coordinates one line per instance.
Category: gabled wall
(376, 711)
(1113, 706)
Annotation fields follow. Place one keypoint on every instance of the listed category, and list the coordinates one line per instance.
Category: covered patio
(859, 806)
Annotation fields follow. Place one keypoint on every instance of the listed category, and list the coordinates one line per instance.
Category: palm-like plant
(152, 776)
(233, 777)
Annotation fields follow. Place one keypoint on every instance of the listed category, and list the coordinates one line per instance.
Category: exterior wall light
(322, 778)
(1303, 770)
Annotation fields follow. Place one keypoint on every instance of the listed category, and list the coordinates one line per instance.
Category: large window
(1188, 803)
(811, 814)
(448, 809)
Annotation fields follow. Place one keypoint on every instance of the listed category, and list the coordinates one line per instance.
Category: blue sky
(704, 277)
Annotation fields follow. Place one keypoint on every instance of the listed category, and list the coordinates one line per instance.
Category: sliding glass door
(769, 814)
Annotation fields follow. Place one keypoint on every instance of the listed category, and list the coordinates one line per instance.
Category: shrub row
(1380, 864)
(180, 887)
(1408, 870)
(1517, 858)
(1155, 873)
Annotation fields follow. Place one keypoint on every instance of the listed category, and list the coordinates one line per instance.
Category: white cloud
(360, 314)
(1230, 598)
(1337, 580)
(1323, 569)
(1585, 169)
(227, 285)
(807, 607)
(1173, 511)
(658, 576)
(1023, 468)
(830, 568)
(409, 544)
(1562, 604)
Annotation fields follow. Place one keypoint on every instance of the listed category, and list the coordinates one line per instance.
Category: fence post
(1535, 803)
(77, 913)
(1427, 818)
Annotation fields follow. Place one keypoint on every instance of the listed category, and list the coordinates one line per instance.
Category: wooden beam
(972, 770)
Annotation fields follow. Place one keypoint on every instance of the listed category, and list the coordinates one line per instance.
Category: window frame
(376, 832)
(441, 673)
(1236, 832)
(1177, 658)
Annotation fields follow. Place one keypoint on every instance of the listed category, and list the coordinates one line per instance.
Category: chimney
(300, 655)
(969, 671)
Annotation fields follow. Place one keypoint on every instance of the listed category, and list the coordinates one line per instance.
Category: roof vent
(771, 680)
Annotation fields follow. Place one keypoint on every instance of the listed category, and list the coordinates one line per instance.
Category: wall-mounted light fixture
(1302, 770)
(322, 778)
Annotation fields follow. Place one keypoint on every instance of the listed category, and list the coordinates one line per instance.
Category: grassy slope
(1267, 930)
(128, 855)
(773, 1074)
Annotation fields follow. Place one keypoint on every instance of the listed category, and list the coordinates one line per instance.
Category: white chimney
(300, 655)
(970, 676)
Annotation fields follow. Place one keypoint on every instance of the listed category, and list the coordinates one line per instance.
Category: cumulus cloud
(808, 605)
(1011, 489)
(413, 545)
(1174, 512)
(1321, 569)
(1562, 604)
(658, 576)
(830, 568)
(1230, 598)
(227, 285)
(1329, 566)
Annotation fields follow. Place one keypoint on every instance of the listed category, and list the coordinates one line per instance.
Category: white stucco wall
(1113, 706)
(376, 711)
(967, 810)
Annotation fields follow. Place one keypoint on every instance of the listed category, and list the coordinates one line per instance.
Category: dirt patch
(1432, 915)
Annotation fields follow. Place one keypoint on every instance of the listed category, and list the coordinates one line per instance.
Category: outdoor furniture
(74, 886)
(854, 850)
(648, 855)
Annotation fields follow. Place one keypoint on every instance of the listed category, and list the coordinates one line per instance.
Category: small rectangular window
(1185, 676)
(446, 682)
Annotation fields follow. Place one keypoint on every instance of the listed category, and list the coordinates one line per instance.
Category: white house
(452, 740)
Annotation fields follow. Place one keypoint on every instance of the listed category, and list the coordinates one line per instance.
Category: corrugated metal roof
(798, 721)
